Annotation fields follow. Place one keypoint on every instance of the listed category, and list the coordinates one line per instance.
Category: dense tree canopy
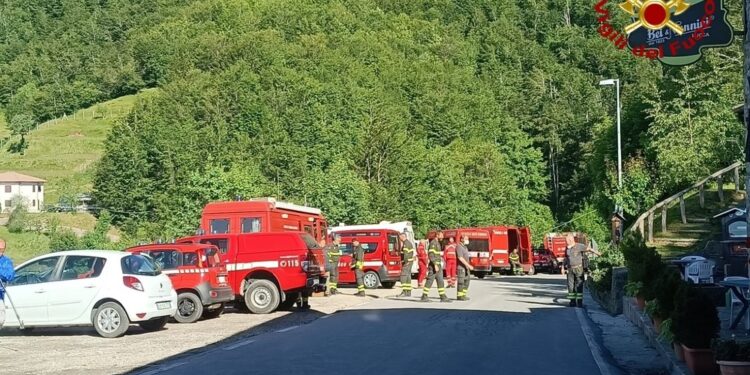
(443, 112)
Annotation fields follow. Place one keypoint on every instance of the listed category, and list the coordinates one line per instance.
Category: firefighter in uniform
(423, 260)
(333, 254)
(575, 255)
(450, 262)
(407, 259)
(515, 263)
(464, 268)
(358, 265)
(435, 270)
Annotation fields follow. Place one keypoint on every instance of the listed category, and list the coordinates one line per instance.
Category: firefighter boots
(579, 302)
(462, 298)
(424, 298)
(360, 294)
(405, 293)
(572, 303)
(444, 298)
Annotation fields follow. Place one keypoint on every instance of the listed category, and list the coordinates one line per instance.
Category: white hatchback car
(106, 289)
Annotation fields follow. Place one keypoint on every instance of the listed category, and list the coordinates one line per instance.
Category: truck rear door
(392, 256)
(525, 245)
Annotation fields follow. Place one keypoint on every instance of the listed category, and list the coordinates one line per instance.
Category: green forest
(445, 113)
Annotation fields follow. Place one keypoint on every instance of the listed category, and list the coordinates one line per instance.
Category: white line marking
(595, 349)
(325, 317)
(163, 368)
(238, 344)
(287, 329)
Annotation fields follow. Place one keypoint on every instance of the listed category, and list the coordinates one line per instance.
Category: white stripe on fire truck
(499, 251)
(250, 265)
(481, 254)
(373, 263)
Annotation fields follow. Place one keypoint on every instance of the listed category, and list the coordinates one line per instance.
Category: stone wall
(612, 300)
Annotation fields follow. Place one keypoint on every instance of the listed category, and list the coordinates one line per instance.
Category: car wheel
(261, 296)
(215, 313)
(154, 324)
(288, 303)
(110, 320)
(189, 308)
(531, 270)
(388, 284)
(481, 275)
(371, 280)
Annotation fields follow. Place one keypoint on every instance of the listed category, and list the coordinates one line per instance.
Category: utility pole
(746, 85)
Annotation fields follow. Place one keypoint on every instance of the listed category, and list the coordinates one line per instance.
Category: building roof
(17, 177)
(738, 210)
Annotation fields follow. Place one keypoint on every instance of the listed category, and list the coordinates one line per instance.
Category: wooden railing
(664, 205)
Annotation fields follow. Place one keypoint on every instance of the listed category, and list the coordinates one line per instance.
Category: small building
(734, 240)
(15, 186)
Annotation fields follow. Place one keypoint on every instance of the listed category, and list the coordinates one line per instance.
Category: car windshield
(139, 265)
(479, 245)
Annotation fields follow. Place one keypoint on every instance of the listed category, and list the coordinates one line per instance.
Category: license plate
(316, 282)
(537, 264)
(163, 305)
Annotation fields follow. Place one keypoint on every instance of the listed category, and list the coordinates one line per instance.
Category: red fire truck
(261, 215)
(479, 247)
(382, 264)
(503, 239)
(197, 276)
(268, 270)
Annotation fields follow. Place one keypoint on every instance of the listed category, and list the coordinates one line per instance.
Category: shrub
(601, 274)
(666, 331)
(644, 263)
(63, 239)
(665, 286)
(731, 350)
(633, 288)
(19, 217)
(652, 308)
(695, 320)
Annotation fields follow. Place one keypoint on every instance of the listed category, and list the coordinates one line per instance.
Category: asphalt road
(512, 325)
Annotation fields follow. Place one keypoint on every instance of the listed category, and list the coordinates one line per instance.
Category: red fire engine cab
(261, 215)
(268, 270)
(479, 247)
(382, 265)
(197, 276)
(503, 239)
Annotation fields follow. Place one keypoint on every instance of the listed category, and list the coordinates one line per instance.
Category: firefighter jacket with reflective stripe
(514, 258)
(407, 251)
(450, 251)
(358, 257)
(434, 252)
(332, 252)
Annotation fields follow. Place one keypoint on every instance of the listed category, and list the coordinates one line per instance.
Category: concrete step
(696, 231)
(679, 242)
(697, 220)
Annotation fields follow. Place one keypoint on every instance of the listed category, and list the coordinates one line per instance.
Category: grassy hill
(64, 151)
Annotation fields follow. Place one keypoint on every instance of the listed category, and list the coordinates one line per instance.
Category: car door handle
(40, 291)
(90, 286)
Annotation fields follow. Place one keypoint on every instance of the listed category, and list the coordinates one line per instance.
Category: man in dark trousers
(407, 259)
(358, 264)
(333, 253)
(463, 268)
(574, 264)
(435, 270)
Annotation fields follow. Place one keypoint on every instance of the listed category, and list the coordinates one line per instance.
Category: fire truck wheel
(261, 296)
(215, 313)
(481, 275)
(288, 303)
(388, 284)
(371, 280)
(189, 308)
(531, 271)
(154, 324)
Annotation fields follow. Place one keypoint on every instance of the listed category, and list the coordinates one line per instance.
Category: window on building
(33, 188)
(250, 224)
(33, 203)
(39, 188)
(7, 188)
(7, 204)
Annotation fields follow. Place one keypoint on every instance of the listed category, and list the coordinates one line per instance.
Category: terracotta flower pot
(700, 361)
(678, 352)
(657, 324)
(734, 368)
(640, 302)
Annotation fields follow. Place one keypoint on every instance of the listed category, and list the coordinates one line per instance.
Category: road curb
(605, 368)
(643, 322)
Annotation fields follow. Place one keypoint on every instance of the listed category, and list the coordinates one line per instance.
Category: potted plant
(652, 309)
(667, 336)
(644, 265)
(695, 323)
(664, 287)
(633, 289)
(732, 356)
